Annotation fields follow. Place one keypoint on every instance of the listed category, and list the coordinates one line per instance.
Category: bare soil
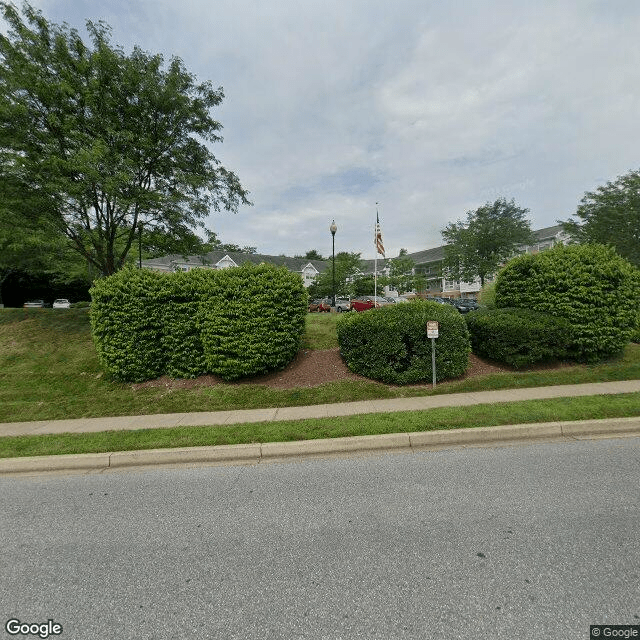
(309, 369)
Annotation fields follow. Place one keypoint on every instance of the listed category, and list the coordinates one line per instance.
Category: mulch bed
(310, 368)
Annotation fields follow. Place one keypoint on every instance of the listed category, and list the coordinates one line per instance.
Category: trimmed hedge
(519, 337)
(233, 323)
(589, 285)
(257, 321)
(391, 345)
(127, 323)
(182, 296)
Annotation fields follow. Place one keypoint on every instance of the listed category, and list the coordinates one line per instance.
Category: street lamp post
(333, 228)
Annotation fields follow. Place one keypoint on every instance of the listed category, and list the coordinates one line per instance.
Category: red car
(320, 306)
(362, 304)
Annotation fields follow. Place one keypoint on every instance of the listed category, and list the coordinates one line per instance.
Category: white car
(61, 303)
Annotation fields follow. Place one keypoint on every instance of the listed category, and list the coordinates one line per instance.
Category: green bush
(391, 345)
(127, 324)
(257, 321)
(84, 304)
(519, 337)
(181, 339)
(233, 323)
(589, 285)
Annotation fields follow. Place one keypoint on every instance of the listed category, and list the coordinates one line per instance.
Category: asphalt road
(529, 541)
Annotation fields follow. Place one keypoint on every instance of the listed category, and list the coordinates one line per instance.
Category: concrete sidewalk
(391, 405)
(255, 453)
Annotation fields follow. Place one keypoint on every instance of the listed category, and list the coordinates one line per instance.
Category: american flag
(378, 238)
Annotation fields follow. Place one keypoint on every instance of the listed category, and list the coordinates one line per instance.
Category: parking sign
(432, 329)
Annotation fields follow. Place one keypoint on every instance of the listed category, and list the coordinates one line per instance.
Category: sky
(420, 110)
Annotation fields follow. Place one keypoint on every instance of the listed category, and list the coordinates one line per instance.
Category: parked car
(464, 305)
(34, 304)
(382, 301)
(363, 303)
(61, 303)
(320, 306)
(343, 304)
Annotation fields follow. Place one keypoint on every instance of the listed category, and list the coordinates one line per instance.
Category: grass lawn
(49, 370)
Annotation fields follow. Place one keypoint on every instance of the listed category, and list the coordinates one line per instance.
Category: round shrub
(127, 324)
(391, 345)
(519, 337)
(254, 321)
(181, 297)
(589, 285)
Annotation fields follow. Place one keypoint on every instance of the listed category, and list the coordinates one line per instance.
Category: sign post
(432, 332)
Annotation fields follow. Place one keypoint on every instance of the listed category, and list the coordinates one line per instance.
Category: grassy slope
(49, 370)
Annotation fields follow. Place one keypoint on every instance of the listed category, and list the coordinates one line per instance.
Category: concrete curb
(272, 451)
(72, 462)
(240, 453)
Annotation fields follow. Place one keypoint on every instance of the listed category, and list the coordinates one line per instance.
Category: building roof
(213, 257)
(428, 255)
(437, 253)
(548, 232)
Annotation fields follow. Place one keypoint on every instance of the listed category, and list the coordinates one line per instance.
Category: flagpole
(375, 260)
(377, 241)
(375, 275)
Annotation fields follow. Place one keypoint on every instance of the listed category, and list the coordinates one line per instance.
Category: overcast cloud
(429, 108)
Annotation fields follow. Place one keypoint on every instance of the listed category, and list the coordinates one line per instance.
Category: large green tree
(477, 246)
(610, 215)
(105, 140)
